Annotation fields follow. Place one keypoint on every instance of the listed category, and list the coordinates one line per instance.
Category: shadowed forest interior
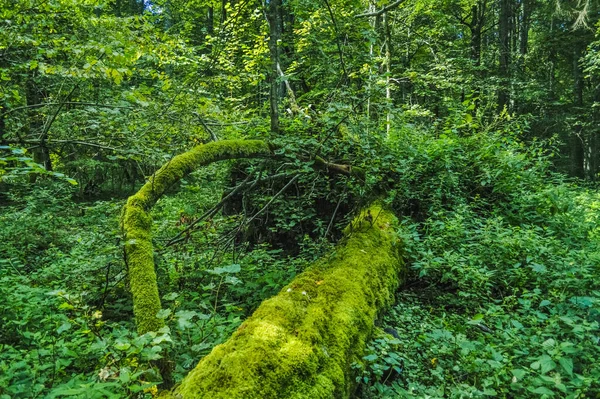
(299, 199)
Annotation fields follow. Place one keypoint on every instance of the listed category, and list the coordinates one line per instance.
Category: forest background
(476, 121)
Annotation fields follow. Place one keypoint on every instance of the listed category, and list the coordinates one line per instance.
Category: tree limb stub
(302, 342)
(347, 170)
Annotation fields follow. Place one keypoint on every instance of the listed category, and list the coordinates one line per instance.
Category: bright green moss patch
(301, 343)
(136, 222)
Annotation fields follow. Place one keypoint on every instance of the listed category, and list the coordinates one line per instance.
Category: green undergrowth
(503, 298)
(66, 317)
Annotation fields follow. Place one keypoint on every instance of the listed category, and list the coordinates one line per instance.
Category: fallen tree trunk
(302, 342)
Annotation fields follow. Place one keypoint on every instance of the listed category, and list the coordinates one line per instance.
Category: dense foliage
(475, 121)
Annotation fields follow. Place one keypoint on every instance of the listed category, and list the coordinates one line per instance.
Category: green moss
(301, 343)
(136, 222)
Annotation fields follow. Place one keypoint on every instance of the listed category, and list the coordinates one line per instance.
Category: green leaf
(163, 313)
(122, 346)
(543, 391)
(516, 324)
(519, 373)
(567, 364)
(549, 343)
(171, 296)
(235, 268)
(184, 317)
(64, 327)
(547, 364)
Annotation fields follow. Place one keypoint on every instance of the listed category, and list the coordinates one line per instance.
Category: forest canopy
(175, 173)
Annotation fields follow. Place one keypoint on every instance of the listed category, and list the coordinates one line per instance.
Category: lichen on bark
(136, 222)
(302, 342)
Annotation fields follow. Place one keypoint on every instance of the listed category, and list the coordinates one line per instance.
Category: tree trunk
(388, 70)
(302, 343)
(136, 222)
(3, 109)
(504, 49)
(526, 11)
(223, 11)
(478, 12)
(40, 153)
(274, 12)
(210, 20)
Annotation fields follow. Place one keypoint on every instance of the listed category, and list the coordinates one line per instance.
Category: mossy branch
(302, 342)
(136, 222)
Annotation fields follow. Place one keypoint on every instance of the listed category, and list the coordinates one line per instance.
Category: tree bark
(504, 49)
(3, 124)
(273, 14)
(526, 11)
(302, 342)
(388, 70)
(210, 20)
(41, 153)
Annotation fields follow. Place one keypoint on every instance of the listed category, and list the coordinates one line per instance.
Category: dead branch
(383, 10)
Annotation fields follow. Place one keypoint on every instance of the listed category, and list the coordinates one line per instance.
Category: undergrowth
(503, 297)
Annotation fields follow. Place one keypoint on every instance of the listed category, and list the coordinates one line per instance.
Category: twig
(76, 142)
(230, 236)
(264, 208)
(333, 216)
(213, 135)
(208, 213)
(294, 104)
(245, 184)
(64, 103)
(383, 10)
(106, 284)
(337, 40)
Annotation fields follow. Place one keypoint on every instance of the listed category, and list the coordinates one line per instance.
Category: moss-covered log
(136, 222)
(302, 342)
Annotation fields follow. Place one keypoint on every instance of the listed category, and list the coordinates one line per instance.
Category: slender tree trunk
(223, 11)
(3, 109)
(478, 12)
(551, 75)
(210, 20)
(388, 70)
(526, 11)
(578, 142)
(372, 22)
(274, 12)
(504, 47)
(581, 131)
(476, 28)
(577, 77)
(594, 130)
(522, 44)
(41, 153)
